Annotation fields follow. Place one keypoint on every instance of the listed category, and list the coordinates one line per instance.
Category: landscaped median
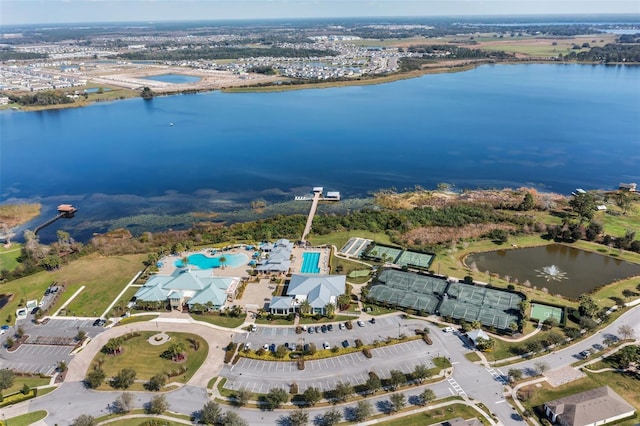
(344, 392)
(147, 361)
(311, 352)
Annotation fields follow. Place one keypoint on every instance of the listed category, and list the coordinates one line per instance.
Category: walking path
(65, 304)
(106, 312)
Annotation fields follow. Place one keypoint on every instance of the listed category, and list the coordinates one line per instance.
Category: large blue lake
(554, 127)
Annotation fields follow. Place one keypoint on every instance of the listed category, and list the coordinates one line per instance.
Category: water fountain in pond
(551, 273)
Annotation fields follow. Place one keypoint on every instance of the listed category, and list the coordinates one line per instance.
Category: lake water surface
(558, 268)
(553, 127)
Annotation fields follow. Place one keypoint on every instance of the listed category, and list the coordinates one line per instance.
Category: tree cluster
(47, 97)
(223, 52)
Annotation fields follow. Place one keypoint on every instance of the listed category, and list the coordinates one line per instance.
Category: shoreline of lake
(438, 68)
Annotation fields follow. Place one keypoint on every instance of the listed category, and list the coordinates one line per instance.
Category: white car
(326, 345)
(254, 328)
(447, 330)
(360, 323)
(265, 346)
(247, 346)
(341, 326)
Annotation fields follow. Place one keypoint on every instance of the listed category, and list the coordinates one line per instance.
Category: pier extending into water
(66, 211)
(317, 196)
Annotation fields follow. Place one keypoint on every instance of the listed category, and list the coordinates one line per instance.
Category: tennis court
(493, 308)
(412, 258)
(542, 312)
(408, 290)
(385, 252)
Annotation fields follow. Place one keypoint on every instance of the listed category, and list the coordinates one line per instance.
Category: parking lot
(46, 345)
(260, 376)
(383, 328)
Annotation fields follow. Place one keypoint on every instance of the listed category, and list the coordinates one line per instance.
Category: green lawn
(143, 357)
(222, 321)
(345, 267)
(9, 256)
(138, 318)
(617, 224)
(26, 419)
(32, 382)
(128, 295)
(104, 278)
(437, 415)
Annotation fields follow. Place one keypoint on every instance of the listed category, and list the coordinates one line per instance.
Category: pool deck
(296, 263)
(169, 267)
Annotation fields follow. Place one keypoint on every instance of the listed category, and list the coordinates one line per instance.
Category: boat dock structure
(66, 211)
(315, 197)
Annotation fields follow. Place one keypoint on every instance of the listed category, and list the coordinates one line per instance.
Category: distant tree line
(223, 53)
(48, 97)
(612, 52)
(456, 52)
(12, 55)
(629, 38)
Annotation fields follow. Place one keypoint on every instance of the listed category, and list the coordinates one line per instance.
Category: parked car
(360, 323)
(447, 330)
(254, 328)
(330, 327)
(585, 354)
(272, 348)
(317, 329)
(326, 345)
(323, 328)
(265, 346)
(247, 346)
(286, 345)
(341, 326)
(372, 320)
(345, 343)
(310, 330)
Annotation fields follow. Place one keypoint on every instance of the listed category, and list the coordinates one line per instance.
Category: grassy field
(15, 214)
(437, 415)
(103, 278)
(145, 358)
(32, 382)
(625, 386)
(222, 321)
(9, 256)
(26, 419)
(138, 318)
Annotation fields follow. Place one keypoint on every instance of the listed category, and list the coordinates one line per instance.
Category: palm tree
(330, 310)
(305, 307)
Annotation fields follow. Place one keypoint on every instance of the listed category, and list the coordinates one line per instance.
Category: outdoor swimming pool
(205, 262)
(310, 262)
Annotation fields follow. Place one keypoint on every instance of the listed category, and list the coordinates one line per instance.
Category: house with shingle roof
(187, 287)
(318, 290)
(590, 408)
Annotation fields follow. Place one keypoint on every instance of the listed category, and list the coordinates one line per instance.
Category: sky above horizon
(15, 12)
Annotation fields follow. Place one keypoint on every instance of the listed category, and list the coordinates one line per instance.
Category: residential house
(590, 408)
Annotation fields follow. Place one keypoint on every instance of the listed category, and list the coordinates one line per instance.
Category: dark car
(317, 329)
(272, 348)
(372, 320)
(330, 327)
(310, 330)
(286, 345)
(323, 328)
(345, 343)
(96, 322)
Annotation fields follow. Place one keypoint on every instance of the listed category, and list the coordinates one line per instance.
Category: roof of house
(281, 302)
(198, 284)
(590, 406)
(280, 266)
(210, 294)
(475, 334)
(318, 289)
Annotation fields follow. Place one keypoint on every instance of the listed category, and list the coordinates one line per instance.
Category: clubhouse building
(187, 288)
(318, 290)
